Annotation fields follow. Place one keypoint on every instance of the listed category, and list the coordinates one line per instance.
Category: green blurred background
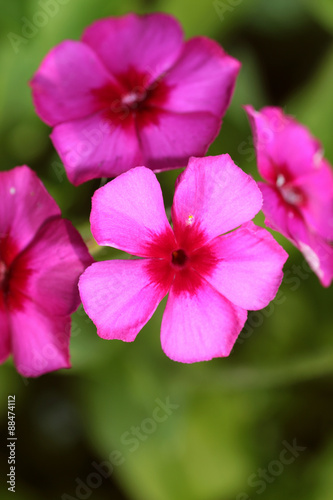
(234, 416)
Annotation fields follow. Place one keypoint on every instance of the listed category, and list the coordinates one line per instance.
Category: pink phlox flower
(133, 92)
(211, 279)
(298, 193)
(41, 258)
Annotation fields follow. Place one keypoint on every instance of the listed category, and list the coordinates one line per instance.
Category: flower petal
(203, 78)
(120, 296)
(24, 207)
(94, 147)
(169, 140)
(200, 326)
(149, 43)
(52, 263)
(40, 343)
(317, 251)
(128, 213)
(319, 255)
(317, 210)
(278, 213)
(281, 216)
(62, 87)
(281, 142)
(249, 264)
(213, 196)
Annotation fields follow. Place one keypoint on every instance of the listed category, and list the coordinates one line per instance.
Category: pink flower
(41, 258)
(211, 279)
(298, 196)
(130, 93)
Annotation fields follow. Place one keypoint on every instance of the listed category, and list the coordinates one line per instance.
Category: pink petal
(169, 140)
(128, 213)
(149, 43)
(317, 251)
(317, 210)
(278, 213)
(281, 216)
(25, 205)
(40, 343)
(62, 87)
(319, 255)
(249, 265)
(213, 196)
(281, 142)
(200, 326)
(52, 264)
(203, 78)
(94, 147)
(120, 296)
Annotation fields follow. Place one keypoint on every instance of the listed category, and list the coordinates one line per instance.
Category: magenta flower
(130, 93)
(212, 280)
(41, 258)
(298, 196)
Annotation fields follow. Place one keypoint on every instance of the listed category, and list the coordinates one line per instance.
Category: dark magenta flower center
(13, 275)
(179, 258)
(4, 278)
(291, 194)
(134, 95)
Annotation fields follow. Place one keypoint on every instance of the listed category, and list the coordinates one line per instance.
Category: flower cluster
(129, 99)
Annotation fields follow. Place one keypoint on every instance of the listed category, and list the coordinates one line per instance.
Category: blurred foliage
(233, 414)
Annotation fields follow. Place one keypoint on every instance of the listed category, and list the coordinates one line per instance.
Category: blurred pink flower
(41, 258)
(212, 280)
(132, 92)
(298, 196)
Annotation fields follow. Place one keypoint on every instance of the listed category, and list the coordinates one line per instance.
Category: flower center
(4, 278)
(135, 95)
(179, 258)
(291, 194)
(134, 98)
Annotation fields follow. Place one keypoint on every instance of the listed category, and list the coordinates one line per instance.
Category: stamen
(291, 194)
(280, 180)
(130, 99)
(190, 220)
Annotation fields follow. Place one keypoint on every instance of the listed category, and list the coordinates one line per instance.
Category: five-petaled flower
(41, 259)
(211, 279)
(132, 92)
(298, 195)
